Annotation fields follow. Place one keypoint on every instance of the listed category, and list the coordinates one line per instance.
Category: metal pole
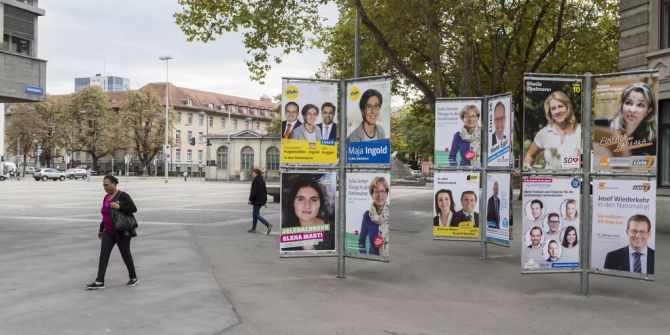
(357, 46)
(485, 156)
(341, 212)
(230, 151)
(167, 106)
(586, 187)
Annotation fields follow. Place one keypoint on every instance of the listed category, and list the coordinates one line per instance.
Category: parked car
(416, 173)
(30, 170)
(75, 173)
(46, 174)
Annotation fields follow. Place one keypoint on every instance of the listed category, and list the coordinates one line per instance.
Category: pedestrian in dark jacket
(115, 201)
(257, 198)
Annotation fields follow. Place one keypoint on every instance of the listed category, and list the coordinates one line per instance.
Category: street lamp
(167, 103)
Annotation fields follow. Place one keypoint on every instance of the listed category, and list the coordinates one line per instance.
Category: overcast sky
(80, 38)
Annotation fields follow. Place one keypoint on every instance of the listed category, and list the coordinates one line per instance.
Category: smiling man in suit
(328, 127)
(291, 111)
(636, 256)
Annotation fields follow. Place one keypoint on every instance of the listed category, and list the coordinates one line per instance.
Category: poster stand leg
(483, 180)
(586, 188)
(342, 183)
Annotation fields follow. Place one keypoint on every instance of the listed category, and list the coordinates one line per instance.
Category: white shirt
(549, 140)
(643, 259)
(325, 132)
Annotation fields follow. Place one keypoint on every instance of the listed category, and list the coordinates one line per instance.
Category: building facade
(645, 44)
(107, 83)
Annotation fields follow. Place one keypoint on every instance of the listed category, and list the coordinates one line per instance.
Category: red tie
(288, 130)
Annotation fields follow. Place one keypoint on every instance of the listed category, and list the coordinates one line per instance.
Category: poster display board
(498, 208)
(624, 225)
(551, 218)
(368, 214)
(625, 121)
(458, 139)
(369, 121)
(552, 134)
(455, 206)
(499, 125)
(308, 127)
(308, 213)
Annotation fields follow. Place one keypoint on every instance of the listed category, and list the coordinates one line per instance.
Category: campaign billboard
(498, 199)
(458, 139)
(456, 205)
(499, 131)
(369, 121)
(368, 214)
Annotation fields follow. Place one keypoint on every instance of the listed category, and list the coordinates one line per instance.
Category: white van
(5, 168)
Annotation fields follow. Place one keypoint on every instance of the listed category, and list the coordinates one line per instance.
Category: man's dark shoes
(251, 231)
(269, 228)
(132, 282)
(96, 285)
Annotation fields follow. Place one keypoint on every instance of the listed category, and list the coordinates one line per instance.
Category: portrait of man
(493, 208)
(534, 250)
(535, 238)
(552, 250)
(328, 127)
(536, 207)
(636, 256)
(554, 225)
(499, 122)
(468, 201)
(291, 110)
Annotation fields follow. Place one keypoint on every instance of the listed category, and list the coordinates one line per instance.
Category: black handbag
(124, 222)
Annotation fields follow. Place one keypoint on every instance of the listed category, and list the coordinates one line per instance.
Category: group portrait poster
(308, 127)
(499, 125)
(551, 224)
(552, 133)
(368, 214)
(498, 199)
(369, 121)
(308, 213)
(624, 225)
(625, 123)
(458, 132)
(456, 206)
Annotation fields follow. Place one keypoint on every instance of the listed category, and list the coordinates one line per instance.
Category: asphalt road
(201, 273)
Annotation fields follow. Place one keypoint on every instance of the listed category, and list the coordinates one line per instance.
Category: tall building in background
(107, 83)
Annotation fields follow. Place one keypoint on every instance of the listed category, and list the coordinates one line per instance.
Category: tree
(143, 116)
(24, 127)
(274, 128)
(50, 111)
(91, 125)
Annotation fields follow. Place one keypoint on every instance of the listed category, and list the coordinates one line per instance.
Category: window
(223, 122)
(201, 120)
(235, 124)
(189, 155)
(177, 155)
(248, 123)
(178, 117)
(665, 24)
(200, 136)
(177, 136)
(77, 156)
(190, 135)
(247, 162)
(222, 158)
(18, 30)
(190, 118)
(200, 156)
(258, 125)
(211, 121)
(664, 143)
(272, 158)
(16, 44)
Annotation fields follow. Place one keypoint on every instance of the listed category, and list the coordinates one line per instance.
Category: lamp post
(230, 151)
(167, 104)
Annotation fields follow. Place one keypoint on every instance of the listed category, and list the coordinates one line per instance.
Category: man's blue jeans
(258, 217)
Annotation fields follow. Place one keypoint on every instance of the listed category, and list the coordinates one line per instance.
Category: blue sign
(34, 90)
(376, 151)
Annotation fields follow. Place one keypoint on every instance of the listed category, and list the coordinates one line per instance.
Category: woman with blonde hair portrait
(374, 236)
(560, 138)
(467, 142)
(635, 117)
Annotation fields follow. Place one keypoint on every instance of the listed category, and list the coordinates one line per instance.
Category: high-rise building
(107, 83)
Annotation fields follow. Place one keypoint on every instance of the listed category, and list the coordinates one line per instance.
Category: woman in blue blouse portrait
(466, 144)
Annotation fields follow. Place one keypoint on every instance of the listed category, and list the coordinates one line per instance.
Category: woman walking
(257, 198)
(115, 201)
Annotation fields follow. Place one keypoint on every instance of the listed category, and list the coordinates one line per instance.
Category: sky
(80, 38)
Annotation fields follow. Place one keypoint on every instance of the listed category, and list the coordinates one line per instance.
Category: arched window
(222, 157)
(247, 162)
(272, 158)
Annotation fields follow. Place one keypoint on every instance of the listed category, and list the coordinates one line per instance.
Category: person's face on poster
(553, 249)
(468, 202)
(310, 116)
(571, 211)
(554, 222)
(635, 109)
(470, 120)
(444, 203)
(535, 237)
(371, 112)
(328, 114)
(379, 195)
(499, 120)
(571, 237)
(291, 112)
(536, 210)
(638, 234)
(495, 189)
(559, 111)
(306, 205)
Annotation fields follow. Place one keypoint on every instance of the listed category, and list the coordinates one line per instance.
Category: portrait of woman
(308, 130)
(370, 106)
(570, 243)
(444, 207)
(306, 206)
(374, 235)
(571, 211)
(560, 138)
(635, 117)
(466, 144)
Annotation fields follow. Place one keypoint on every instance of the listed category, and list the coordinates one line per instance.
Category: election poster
(308, 126)
(552, 133)
(308, 213)
(368, 215)
(458, 139)
(369, 121)
(456, 206)
(499, 125)
(498, 208)
(625, 129)
(624, 225)
(551, 220)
